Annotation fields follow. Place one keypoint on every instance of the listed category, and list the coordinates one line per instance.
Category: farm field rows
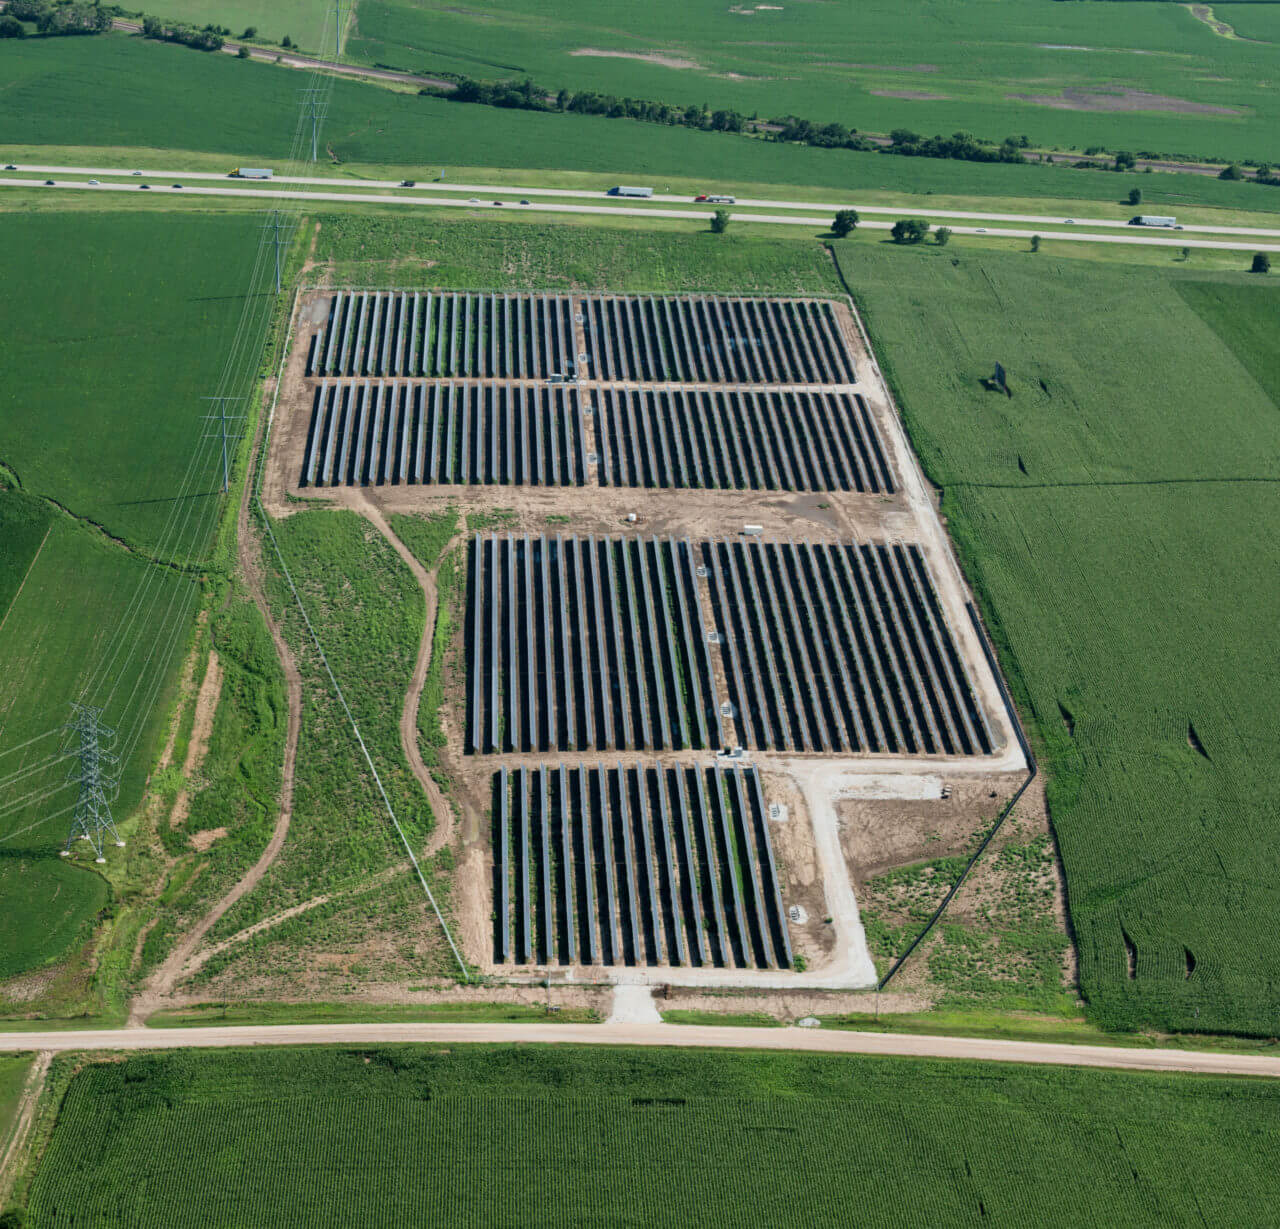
(1102, 514)
(484, 1136)
(1125, 76)
(117, 91)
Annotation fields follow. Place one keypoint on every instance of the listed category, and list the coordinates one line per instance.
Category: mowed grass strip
(122, 91)
(117, 326)
(1116, 517)
(555, 1135)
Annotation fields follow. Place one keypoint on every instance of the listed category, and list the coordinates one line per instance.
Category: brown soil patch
(198, 747)
(914, 95)
(1120, 98)
(664, 58)
(200, 841)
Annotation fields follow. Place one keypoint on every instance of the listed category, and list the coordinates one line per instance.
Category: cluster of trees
(52, 19)
(962, 146)
(208, 39)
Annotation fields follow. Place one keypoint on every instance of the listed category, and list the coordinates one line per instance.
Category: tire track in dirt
(249, 553)
(441, 808)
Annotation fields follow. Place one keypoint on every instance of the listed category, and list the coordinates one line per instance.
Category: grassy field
(561, 1136)
(1035, 67)
(309, 23)
(217, 1014)
(1115, 517)
(366, 916)
(413, 250)
(123, 92)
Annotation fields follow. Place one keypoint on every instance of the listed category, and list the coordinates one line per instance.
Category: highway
(825, 207)
(424, 198)
(825, 1041)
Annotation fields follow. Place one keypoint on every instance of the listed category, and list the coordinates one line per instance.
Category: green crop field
(1117, 519)
(123, 324)
(120, 91)
(1139, 76)
(309, 23)
(1260, 21)
(540, 1136)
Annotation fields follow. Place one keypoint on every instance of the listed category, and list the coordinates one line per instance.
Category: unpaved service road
(818, 1040)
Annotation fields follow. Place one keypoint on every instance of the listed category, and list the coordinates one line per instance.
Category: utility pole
(221, 417)
(337, 35)
(315, 101)
(93, 811)
(274, 224)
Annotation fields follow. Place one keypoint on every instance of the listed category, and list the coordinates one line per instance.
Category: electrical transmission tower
(222, 418)
(314, 104)
(275, 225)
(92, 819)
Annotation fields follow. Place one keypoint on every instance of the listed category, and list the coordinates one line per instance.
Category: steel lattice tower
(92, 817)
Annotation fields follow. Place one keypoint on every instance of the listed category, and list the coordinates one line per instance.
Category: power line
(92, 818)
(221, 417)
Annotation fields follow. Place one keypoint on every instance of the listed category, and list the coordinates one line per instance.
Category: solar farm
(706, 594)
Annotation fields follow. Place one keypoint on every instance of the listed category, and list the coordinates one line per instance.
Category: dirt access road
(823, 1041)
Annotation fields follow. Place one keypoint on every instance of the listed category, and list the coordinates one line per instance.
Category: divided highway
(557, 200)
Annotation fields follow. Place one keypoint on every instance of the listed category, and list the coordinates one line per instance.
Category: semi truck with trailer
(623, 190)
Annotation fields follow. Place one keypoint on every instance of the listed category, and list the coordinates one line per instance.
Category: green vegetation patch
(1111, 517)
(563, 1135)
(116, 326)
(428, 251)
(328, 1013)
(53, 641)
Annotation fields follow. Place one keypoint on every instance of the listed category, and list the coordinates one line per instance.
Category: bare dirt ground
(198, 747)
(825, 848)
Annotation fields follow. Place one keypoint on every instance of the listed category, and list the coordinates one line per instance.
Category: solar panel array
(510, 336)
(706, 340)
(792, 441)
(586, 643)
(843, 647)
(640, 865)
(371, 433)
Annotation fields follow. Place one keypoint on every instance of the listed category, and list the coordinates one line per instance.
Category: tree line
(54, 19)
(527, 95)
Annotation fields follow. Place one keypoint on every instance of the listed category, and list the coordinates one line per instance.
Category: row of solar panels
(433, 334)
(716, 340)
(600, 643)
(374, 433)
(592, 642)
(635, 338)
(642, 865)
(788, 441)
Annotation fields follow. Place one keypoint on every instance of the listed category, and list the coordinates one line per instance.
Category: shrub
(845, 221)
(909, 230)
(1261, 263)
(942, 236)
(719, 221)
(1231, 172)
